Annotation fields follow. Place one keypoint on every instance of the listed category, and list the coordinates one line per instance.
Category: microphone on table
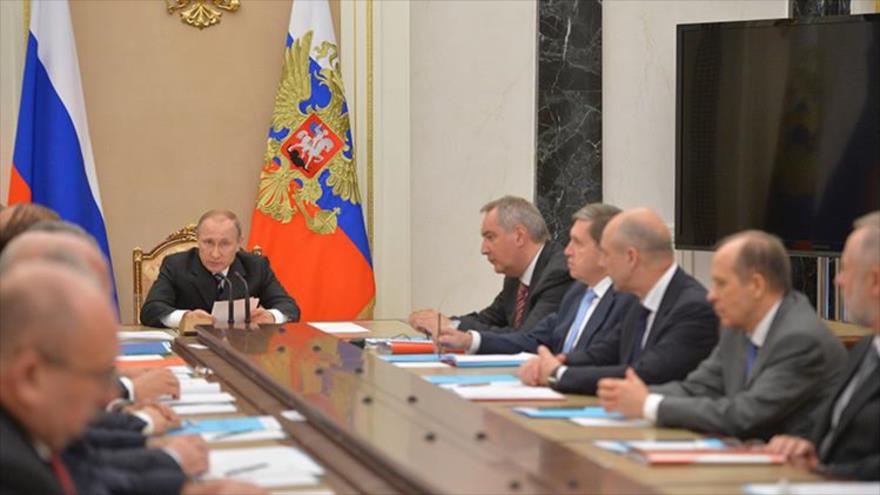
(228, 283)
(247, 299)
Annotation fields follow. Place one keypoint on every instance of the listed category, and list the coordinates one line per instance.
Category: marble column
(804, 268)
(568, 172)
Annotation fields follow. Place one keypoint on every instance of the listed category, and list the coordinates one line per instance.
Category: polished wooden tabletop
(380, 428)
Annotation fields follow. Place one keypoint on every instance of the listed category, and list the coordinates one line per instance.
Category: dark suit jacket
(684, 331)
(22, 471)
(552, 330)
(795, 369)
(184, 283)
(106, 473)
(855, 447)
(550, 280)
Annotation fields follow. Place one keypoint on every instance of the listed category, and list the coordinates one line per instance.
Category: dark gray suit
(22, 471)
(795, 369)
(854, 449)
(184, 283)
(552, 330)
(550, 280)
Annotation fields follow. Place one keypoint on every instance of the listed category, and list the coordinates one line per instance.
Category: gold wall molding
(201, 13)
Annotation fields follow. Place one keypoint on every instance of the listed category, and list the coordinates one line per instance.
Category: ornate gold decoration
(286, 187)
(200, 13)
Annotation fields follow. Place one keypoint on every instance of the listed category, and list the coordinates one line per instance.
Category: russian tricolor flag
(53, 163)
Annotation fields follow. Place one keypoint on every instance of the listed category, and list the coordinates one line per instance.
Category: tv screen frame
(681, 30)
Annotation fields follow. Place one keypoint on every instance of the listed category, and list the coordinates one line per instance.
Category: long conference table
(379, 428)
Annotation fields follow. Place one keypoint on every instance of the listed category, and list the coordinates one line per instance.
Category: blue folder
(226, 425)
(144, 348)
(566, 412)
(468, 379)
(411, 358)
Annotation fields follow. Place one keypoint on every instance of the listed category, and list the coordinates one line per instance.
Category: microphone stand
(247, 299)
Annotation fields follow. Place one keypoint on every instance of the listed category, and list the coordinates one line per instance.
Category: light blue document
(566, 412)
(410, 358)
(468, 379)
(225, 425)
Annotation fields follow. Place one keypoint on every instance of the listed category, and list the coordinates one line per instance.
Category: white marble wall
(638, 99)
(472, 118)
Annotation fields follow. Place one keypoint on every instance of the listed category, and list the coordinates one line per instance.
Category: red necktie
(63, 475)
(522, 293)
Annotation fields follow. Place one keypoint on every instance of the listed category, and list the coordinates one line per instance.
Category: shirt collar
(526, 277)
(602, 287)
(655, 296)
(42, 450)
(759, 335)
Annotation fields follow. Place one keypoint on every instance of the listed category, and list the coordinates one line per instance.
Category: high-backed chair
(146, 265)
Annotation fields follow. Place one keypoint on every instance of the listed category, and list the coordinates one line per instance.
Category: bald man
(846, 440)
(774, 362)
(59, 241)
(663, 338)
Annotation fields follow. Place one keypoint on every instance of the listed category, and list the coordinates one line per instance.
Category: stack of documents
(415, 360)
(566, 412)
(624, 447)
(143, 351)
(233, 429)
(703, 451)
(265, 466)
(487, 360)
(469, 379)
(506, 390)
(202, 403)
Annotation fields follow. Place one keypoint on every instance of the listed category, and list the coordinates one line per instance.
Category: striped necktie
(522, 293)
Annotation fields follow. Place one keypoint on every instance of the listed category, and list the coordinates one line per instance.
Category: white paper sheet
(220, 311)
(190, 409)
(140, 357)
(197, 386)
(505, 391)
(269, 466)
(220, 437)
(491, 358)
(338, 327)
(611, 422)
(292, 415)
(428, 364)
(201, 398)
(822, 488)
(147, 335)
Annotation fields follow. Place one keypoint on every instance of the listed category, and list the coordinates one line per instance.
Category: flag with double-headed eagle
(308, 217)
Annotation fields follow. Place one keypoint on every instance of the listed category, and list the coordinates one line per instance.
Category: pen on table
(227, 434)
(439, 348)
(246, 469)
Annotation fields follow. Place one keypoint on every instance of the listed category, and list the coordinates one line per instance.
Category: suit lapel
(673, 290)
(202, 280)
(534, 288)
(238, 287)
(773, 335)
(737, 363)
(860, 396)
(596, 319)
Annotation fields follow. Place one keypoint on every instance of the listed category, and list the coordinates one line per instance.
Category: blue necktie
(641, 326)
(751, 353)
(579, 320)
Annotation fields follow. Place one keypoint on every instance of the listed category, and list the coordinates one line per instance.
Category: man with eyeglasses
(58, 349)
(190, 282)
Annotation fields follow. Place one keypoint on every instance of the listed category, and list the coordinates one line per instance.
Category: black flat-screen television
(778, 129)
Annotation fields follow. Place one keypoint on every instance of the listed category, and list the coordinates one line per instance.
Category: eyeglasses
(105, 378)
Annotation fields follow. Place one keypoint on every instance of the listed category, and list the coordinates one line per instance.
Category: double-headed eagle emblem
(309, 154)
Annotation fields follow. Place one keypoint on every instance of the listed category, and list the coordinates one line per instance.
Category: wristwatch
(552, 380)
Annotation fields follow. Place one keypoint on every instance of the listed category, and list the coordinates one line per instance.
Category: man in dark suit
(515, 241)
(846, 439)
(664, 337)
(191, 281)
(589, 309)
(775, 359)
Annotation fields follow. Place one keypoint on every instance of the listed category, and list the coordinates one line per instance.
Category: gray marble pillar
(804, 268)
(569, 136)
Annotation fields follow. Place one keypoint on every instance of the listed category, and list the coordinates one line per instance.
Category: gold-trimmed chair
(146, 265)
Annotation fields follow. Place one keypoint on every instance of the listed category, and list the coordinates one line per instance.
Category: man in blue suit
(589, 309)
